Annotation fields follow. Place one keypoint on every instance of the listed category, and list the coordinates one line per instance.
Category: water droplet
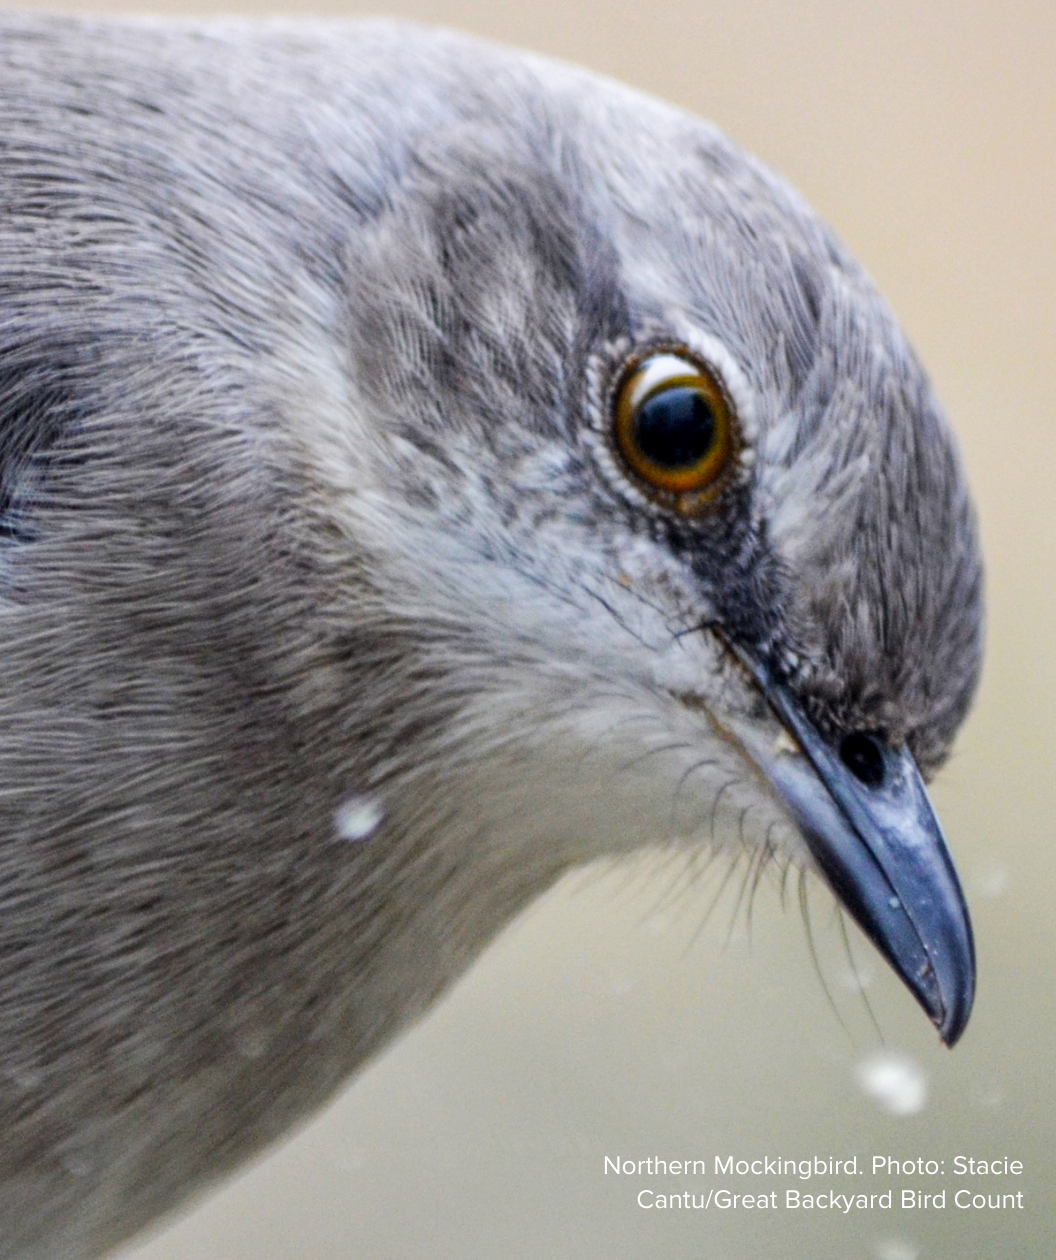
(358, 817)
(896, 1249)
(658, 924)
(860, 976)
(992, 881)
(352, 1159)
(894, 1081)
(990, 1098)
(893, 902)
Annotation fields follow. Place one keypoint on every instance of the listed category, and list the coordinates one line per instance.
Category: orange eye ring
(674, 428)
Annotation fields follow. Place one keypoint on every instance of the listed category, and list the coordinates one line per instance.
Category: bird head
(424, 469)
(660, 504)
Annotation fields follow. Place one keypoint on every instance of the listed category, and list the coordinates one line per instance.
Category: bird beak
(881, 849)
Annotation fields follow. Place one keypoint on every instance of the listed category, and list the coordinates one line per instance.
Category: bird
(425, 469)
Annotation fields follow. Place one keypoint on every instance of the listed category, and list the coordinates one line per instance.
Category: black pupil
(676, 427)
(864, 757)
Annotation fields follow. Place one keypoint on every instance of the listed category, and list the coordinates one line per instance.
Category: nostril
(864, 757)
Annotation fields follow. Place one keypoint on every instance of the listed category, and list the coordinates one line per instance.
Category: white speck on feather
(252, 1043)
(24, 1079)
(76, 1164)
(357, 818)
(894, 1081)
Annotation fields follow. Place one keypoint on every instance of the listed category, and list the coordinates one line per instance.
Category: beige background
(609, 1021)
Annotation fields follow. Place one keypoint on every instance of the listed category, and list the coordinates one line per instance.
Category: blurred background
(616, 1019)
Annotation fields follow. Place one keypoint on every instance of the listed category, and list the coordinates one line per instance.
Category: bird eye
(673, 428)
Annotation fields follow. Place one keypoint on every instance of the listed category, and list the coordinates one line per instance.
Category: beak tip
(950, 1033)
(946, 987)
(954, 1018)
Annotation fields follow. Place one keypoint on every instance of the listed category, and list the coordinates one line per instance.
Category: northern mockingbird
(423, 468)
